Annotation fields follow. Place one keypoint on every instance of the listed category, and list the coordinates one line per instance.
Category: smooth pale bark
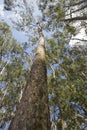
(33, 111)
(63, 125)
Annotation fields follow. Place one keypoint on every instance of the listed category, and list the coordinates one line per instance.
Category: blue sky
(9, 16)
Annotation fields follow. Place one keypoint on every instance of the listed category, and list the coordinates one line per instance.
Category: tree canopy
(66, 65)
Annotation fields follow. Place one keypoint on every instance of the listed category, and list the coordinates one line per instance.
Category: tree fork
(33, 111)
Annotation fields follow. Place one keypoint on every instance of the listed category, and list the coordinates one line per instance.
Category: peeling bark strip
(33, 112)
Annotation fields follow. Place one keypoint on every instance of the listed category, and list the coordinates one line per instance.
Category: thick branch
(83, 7)
(75, 18)
(79, 39)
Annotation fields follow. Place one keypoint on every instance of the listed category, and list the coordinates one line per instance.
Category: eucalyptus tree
(33, 110)
(65, 81)
(61, 57)
(12, 72)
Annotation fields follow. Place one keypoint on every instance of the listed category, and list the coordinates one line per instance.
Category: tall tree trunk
(63, 125)
(33, 112)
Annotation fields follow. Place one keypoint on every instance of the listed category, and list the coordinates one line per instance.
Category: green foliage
(69, 86)
(13, 71)
(67, 69)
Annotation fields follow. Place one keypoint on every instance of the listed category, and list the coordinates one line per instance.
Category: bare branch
(3, 68)
(79, 9)
(79, 39)
(77, 3)
(83, 7)
(75, 18)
